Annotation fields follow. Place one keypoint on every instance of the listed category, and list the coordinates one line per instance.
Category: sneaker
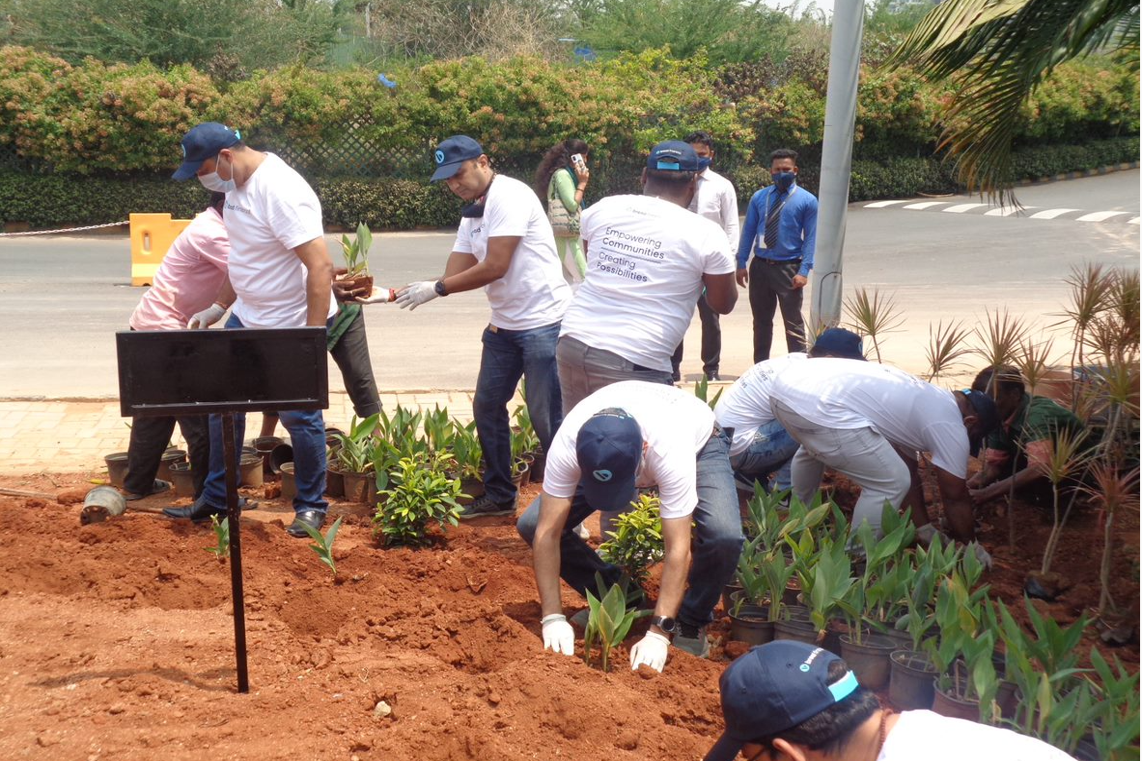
(712, 375)
(692, 639)
(484, 506)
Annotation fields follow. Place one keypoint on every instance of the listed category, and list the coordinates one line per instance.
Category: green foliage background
(88, 143)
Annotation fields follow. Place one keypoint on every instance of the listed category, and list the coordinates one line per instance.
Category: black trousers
(771, 285)
(351, 353)
(711, 340)
(149, 439)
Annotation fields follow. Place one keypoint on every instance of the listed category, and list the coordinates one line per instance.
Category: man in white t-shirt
(280, 276)
(636, 434)
(761, 446)
(715, 199)
(505, 246)
(185, 283)
(787, 699)
(869, 421)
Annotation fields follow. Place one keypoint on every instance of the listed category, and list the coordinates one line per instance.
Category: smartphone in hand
(578, 162)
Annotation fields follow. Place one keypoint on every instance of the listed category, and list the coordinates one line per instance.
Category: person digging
(638, 434)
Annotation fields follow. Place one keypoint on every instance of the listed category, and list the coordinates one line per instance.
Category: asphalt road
(62, 298)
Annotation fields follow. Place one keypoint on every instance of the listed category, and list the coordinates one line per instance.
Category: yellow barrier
(151, 236)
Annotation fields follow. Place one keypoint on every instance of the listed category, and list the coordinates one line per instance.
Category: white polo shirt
(645, 262)
(675, 426)
(532, 293)
(849, 393)
(744, 406)
(273, 213)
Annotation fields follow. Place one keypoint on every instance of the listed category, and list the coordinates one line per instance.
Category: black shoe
(201, 510)
(158, 487)
(712, 375)
(315, 519)
(478, 508)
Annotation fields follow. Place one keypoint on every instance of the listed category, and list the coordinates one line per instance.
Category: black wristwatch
(665, 623)
(440, 289)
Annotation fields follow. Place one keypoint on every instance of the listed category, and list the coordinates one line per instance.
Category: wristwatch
(440, 289)
(665, 623)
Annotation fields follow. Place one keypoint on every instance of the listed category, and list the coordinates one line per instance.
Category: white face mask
(215, 183)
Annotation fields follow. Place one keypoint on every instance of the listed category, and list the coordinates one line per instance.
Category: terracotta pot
(357, 282)
(116, 468)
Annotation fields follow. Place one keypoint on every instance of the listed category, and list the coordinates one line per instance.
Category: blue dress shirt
(796, 231)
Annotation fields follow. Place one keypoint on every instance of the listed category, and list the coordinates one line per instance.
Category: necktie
(772, 220)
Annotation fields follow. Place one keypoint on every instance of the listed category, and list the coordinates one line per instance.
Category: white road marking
(962, 207)
(925, 204)
(1051, 213)
(1133, 221)
(1007, 211)
(1099, 216)
(881, 204)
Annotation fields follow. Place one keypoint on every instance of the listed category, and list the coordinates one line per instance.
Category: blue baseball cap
(988, 414)
(673, 156)
(838, 342)
(773, 688)
(609, 449)
(453, 152)
(203, 142)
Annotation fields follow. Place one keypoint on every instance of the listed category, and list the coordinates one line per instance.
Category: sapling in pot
(356, 252)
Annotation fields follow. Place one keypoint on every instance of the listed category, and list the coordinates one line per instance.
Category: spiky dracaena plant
(998, 341)
(873, 314)
(1090, 290)
(1068, 458)
(947, 344)
(1113, 492)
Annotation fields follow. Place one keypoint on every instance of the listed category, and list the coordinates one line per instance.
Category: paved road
(62, 298)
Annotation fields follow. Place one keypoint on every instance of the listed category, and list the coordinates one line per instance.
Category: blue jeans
(509, 355)
(715, 544)
(307, 435)
(771, 450)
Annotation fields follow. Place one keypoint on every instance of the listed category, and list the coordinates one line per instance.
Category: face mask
(213, 182)
(784, 180)
(704, 164)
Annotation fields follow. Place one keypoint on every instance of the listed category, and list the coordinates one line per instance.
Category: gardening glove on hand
(926, 533)
(558, 634)
(981, 554)
(206, 317)
(415, 294)
(378, 296)
(650, 651)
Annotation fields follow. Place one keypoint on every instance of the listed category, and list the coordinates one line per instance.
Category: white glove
(650, 651)
(926, 533)
(206, 317)
(558, 635)
(415, 294)
(378, 296)
(981, 554)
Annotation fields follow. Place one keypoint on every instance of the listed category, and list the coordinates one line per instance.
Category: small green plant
(636, 543)
(323, 545)
(221, 530)
(466, 449)
(420, 492)
(609, 622)
(355, 454)
(702, 391)
(356, 251)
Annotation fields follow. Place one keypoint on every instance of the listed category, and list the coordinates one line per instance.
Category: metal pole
(232, 516)
(836, 163)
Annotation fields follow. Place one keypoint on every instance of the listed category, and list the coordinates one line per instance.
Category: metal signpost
(225, 372)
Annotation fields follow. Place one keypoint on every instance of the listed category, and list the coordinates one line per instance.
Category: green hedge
(51, 201)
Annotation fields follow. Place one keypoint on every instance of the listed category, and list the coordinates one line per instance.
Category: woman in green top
(562, 183)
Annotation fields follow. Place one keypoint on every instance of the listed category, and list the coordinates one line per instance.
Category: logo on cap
(440, 157)
(602, 475)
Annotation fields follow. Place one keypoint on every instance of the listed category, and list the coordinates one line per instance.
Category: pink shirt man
(188, 278)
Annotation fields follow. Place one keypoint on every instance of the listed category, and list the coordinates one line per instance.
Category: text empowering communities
(622, 252)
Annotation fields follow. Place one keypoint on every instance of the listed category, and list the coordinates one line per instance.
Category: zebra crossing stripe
(1051, 213)
(1133, 221)
(1006, 211)
(881, 204)
(1099, 216)
(962, 207)
(925, 204)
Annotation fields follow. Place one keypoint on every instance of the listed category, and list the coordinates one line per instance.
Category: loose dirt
(116, 642)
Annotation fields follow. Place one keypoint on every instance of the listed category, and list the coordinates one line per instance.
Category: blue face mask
(783, 180)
